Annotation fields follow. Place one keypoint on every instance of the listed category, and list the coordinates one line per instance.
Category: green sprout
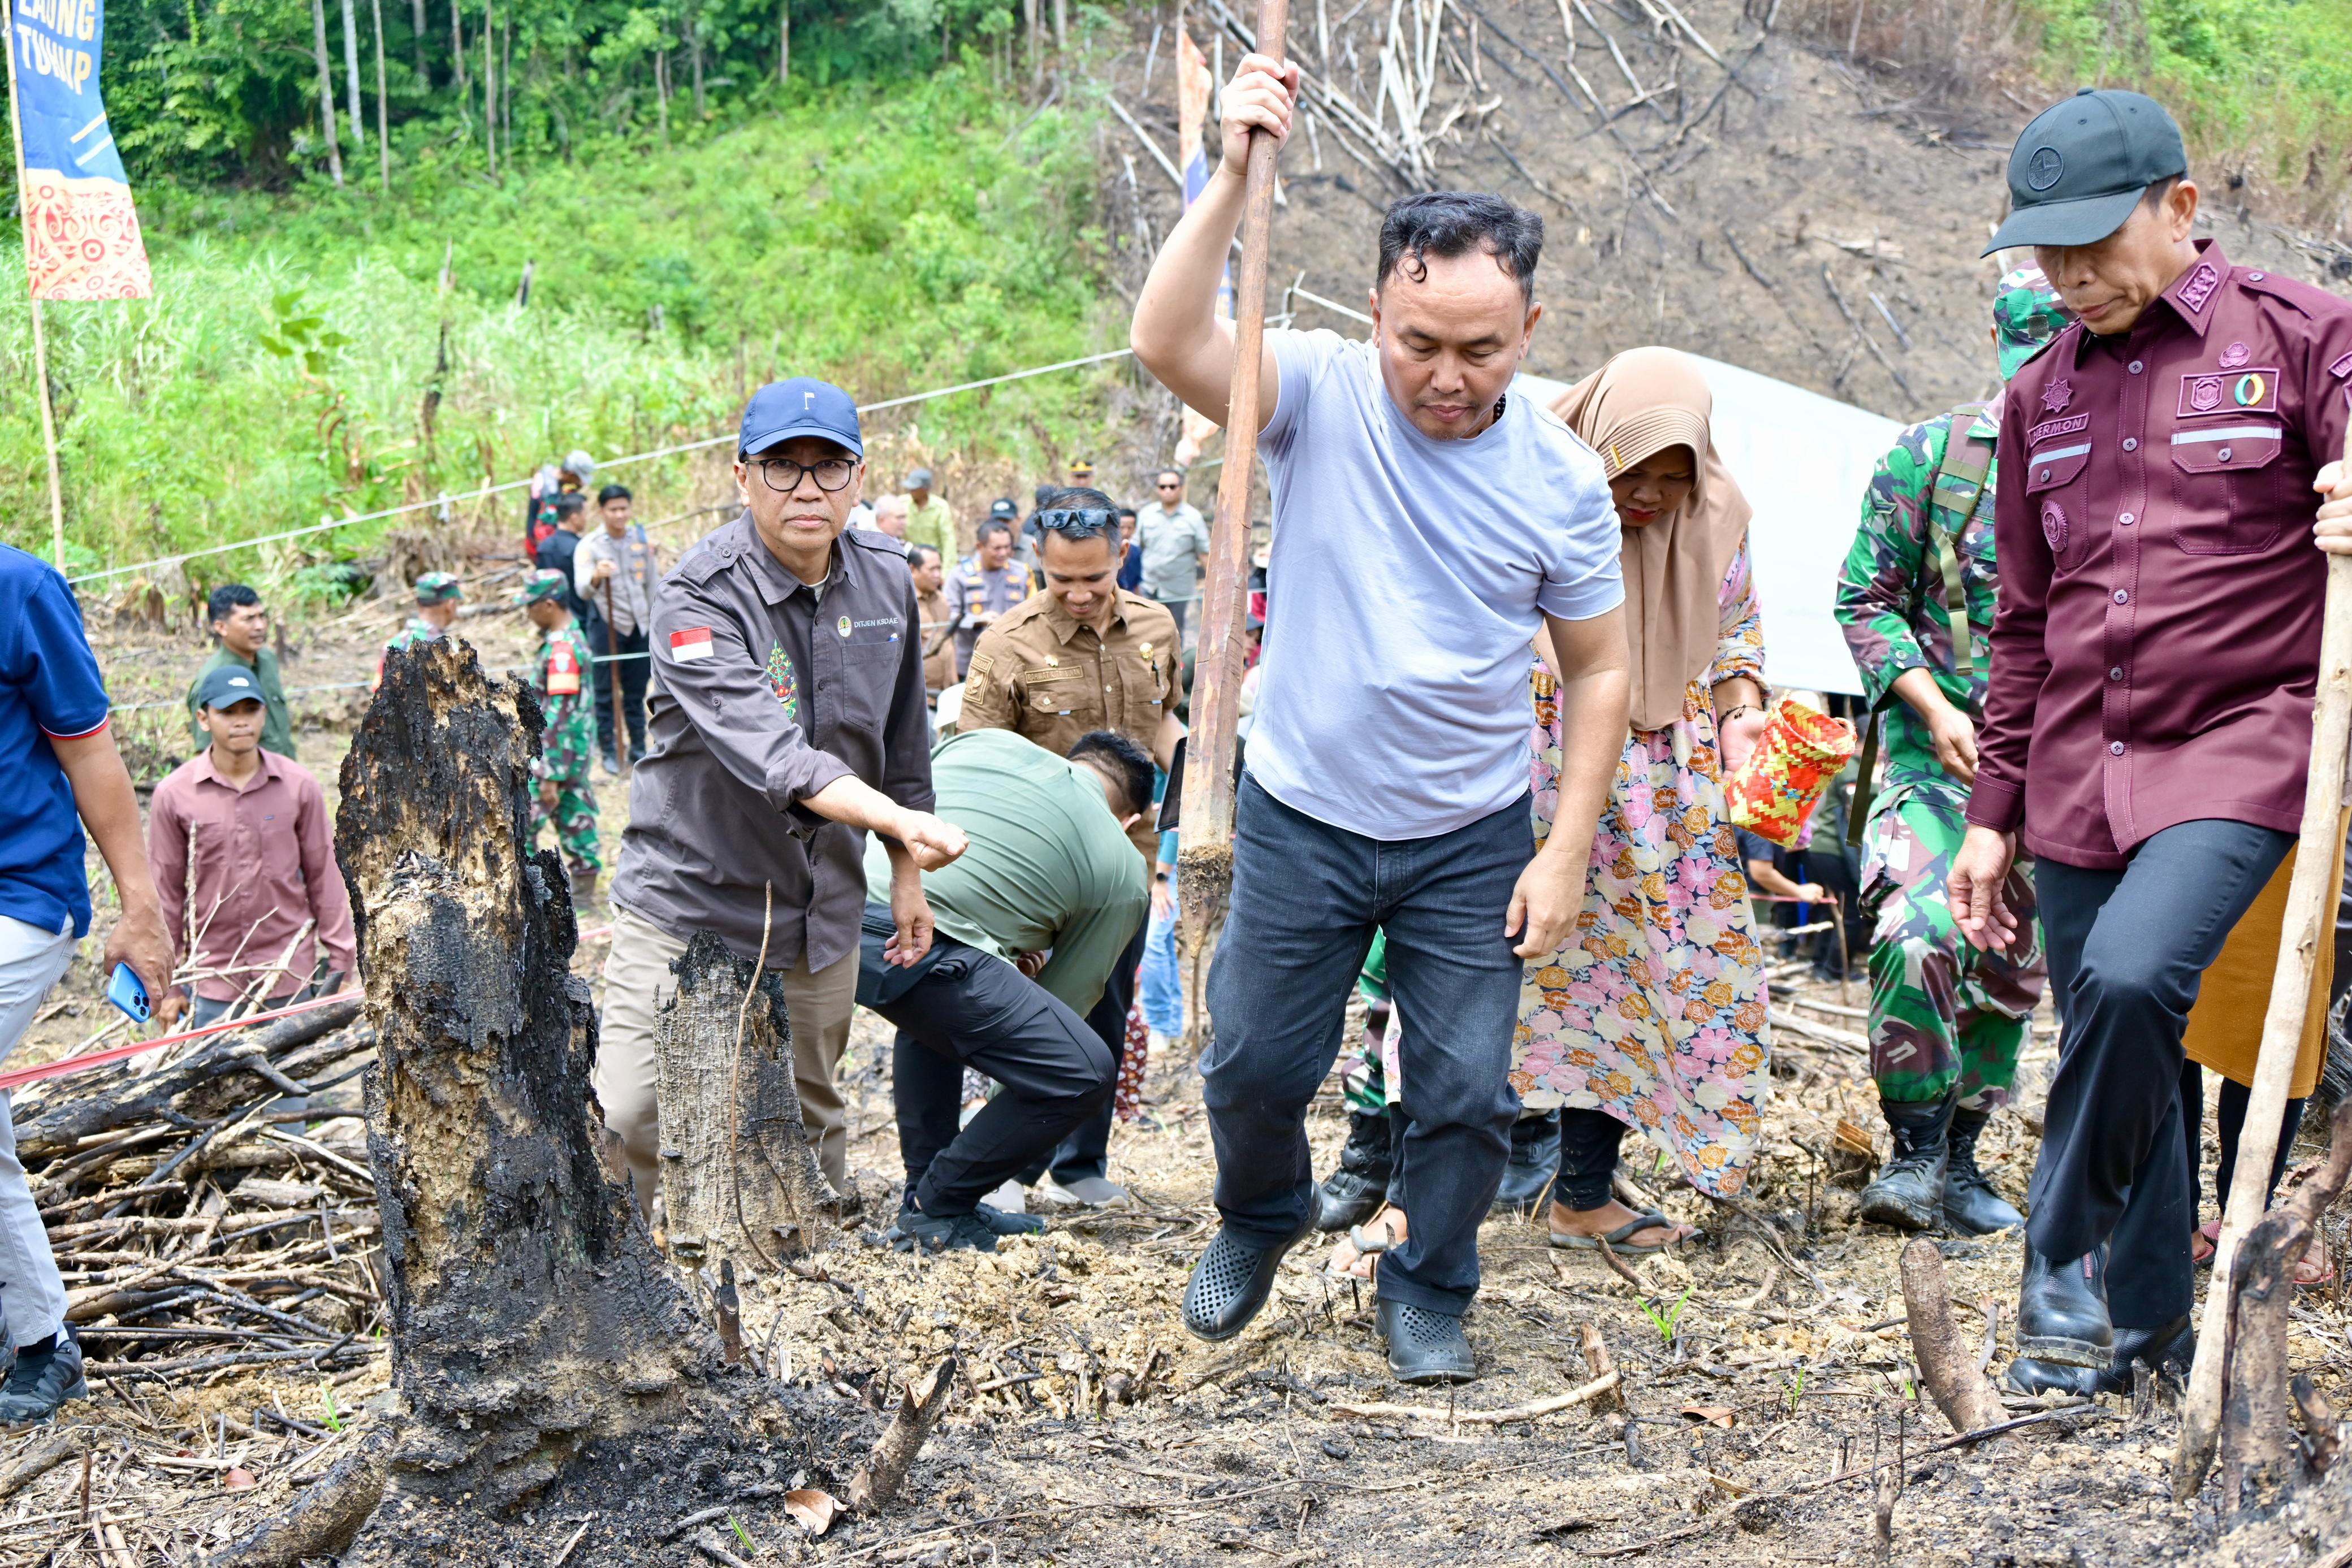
(1665, 1323)
(1796, 1391)
(741, 1535)
(327, 1393)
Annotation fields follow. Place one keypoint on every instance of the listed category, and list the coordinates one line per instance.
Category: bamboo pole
(2318, 853)
(1205, 862)
(40, 338)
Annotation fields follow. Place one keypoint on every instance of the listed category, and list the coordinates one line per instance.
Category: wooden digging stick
(1205, 866)
(613, 679)
(2316, 855)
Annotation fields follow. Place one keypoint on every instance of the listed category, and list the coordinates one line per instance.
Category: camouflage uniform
(568, 748)
(1942, 1013)
(433, 588)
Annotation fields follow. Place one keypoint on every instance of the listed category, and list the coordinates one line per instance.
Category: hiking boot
(1228, 1284)
(1534, 1162)
(39, 1382)
(940, 1232)
(1971, 1205)
(1426, 1346)
(1354, 1193)
(2061, 1309)
(1908, 1191)
(1006, 1224)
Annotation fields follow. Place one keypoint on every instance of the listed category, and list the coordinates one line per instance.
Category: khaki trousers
(638, 983)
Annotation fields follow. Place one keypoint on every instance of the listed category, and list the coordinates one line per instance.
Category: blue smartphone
(125, 991)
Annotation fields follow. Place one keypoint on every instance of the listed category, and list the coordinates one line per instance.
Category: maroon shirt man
(2148, 724)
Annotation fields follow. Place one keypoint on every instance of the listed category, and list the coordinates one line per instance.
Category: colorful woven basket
(1800, 755)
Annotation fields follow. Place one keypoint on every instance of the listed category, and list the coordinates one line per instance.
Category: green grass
(892, 239)
(2264, 88)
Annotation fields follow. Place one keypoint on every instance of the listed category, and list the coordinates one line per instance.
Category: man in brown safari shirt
(786, 722)
(2148, 724)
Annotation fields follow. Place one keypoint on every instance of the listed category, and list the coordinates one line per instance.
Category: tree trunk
(784, 41)
(326, 89)
(1061, 24)
(694, 59)
(532, 1322)
(416, 41)
(457, 52)
(490, 88)
(1029, 26)
(738, 1176)
(661, 91)
(352, 74)
(383, 111)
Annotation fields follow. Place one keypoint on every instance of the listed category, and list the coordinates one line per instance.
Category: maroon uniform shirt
(2157, 646)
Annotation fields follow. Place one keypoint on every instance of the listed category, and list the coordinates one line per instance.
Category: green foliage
(2269, 80)
(1665, 1321)
(300, 357)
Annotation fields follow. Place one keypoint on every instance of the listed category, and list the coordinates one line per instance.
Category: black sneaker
(941, 1233)
(1426, 1346)
(38, 1385)
(1228, 1284)
(1006, 1224)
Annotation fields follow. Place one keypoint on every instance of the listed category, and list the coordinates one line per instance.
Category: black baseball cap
(226, 686)
(801, 406)
(2081, 165)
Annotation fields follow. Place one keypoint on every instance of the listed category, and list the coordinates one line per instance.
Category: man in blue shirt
(58, 773)
(1425, 504)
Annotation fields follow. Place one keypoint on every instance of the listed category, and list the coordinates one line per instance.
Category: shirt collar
(1067, 626)
(206, 773)
(2190, 299)
(775, 583)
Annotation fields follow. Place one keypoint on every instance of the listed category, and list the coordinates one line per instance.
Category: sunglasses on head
(1077, 524)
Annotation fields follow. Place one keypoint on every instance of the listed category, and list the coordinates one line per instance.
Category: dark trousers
(973, 1009)
(1588, 1156)
(2229, 1122)
(1306, 898)
(1086, 1151)
(2127, 949)
(632, 673)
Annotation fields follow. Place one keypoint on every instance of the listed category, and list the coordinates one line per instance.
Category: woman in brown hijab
(1652, 1014)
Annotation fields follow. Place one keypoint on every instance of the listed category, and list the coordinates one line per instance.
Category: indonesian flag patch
(693, 642)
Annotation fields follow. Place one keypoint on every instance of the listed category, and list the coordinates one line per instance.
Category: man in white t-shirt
(1437, 522)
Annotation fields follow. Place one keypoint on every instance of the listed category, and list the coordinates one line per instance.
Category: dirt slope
(1788, 215)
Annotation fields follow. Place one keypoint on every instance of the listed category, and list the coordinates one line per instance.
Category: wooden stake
(1205, 864)
(2318, 853)
(40, 338)
(878, 1482)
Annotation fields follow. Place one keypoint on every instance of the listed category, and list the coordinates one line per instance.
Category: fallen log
(543, 1349)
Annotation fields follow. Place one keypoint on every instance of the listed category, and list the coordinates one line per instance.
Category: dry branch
(1599, 1388)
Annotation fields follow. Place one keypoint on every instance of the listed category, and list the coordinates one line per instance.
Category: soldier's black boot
(1534, 1162)
(1972, 1206)
(1909, 1189)
(1356, 1190)
(2169, 1351)
(2061, 1309)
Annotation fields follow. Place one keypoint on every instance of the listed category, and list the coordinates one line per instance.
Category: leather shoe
(2168, 1351)
(1228, 1284)
(1426, 1346)
(2061, 1309)
(1354, 1193)
(1972, 1206)
(1534, 1162)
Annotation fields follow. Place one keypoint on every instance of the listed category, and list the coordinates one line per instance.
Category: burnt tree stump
(738, 1178)
(540, 1344)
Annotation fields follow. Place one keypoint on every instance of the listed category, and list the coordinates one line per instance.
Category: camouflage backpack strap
(1952, 498)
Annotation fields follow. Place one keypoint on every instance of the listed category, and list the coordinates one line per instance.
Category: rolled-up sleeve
(722, 686)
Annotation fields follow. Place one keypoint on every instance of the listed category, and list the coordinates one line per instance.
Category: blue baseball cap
(801, 406)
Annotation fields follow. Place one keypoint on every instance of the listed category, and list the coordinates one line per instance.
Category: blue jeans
(1306, 898)
(1162, 983)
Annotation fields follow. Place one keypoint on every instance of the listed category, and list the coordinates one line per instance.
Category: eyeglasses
(1170, 485)
(1074, 524)
(784, 474)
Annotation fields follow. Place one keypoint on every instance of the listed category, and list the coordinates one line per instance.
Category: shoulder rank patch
(2198, 287)
(2341, 368)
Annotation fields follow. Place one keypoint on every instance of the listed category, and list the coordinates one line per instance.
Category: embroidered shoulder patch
(2053, 524)
(2198, 287)
(2341, 368)
(783, 681)
(981, 664)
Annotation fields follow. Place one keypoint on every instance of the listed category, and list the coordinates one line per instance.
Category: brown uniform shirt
(932, 617)
(1043, 675)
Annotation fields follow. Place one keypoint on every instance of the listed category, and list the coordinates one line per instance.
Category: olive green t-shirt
(276, 719)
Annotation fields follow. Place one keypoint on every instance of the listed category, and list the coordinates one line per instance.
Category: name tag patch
(690, 643)
(2253, 391)
(2051, 427)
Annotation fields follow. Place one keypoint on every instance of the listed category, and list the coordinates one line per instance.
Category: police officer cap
(2081, 165)
(226, 686)
(545, 583)
(438, 588)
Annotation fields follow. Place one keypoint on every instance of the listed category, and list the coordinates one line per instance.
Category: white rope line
(445, 500)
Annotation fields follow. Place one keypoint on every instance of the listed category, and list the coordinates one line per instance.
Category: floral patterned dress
(1654, 1009)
